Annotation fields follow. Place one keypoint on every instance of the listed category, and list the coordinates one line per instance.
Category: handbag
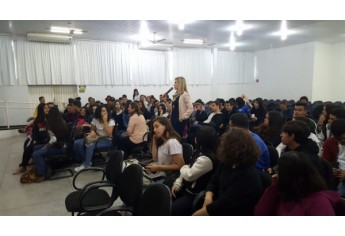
(91, 138)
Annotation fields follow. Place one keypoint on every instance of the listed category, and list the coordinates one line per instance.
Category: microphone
(169, 91)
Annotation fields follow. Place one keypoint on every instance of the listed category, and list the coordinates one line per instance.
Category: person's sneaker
(81, 167)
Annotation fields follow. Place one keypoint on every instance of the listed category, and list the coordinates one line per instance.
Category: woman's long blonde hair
(182, 86)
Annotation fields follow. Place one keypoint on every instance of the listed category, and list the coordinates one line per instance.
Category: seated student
(38, 136)
(295, 136)
(236, 186)
(101, 126)
(322, 130)
(241, 120)
(195, 176)
(242, 106)
(58, 134)
(230, 108)
(285, 111)
(215, 120)
(162, 111)
(271, 128)
(199, 114)
(300, 110)
(135, 130)
(166, 148)
(334, 151)
(298, 190)
(258, 113)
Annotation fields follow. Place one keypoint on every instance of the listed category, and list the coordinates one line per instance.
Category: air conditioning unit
(50, 38)
(155, 46)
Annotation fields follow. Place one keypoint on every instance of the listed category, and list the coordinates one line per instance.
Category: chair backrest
(339, 208)
(155, 201)
(274, 156)
(113, 170)
(131, 185)
(187, 150)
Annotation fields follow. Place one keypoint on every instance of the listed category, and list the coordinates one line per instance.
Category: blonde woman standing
(181, 107)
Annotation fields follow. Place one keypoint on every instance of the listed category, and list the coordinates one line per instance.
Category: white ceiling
(258, 37)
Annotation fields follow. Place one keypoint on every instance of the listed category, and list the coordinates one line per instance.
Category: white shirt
(100, 127)
(170, 147)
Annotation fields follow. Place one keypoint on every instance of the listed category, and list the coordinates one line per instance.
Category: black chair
(61, 163)
(142, 151)
(155, 201)
(187, 150)
(198, 201)
(130, 191)
(274, 156)
(93, 197)
(339, 208)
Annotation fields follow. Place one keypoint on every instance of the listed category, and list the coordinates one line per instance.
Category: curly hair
(237, 147)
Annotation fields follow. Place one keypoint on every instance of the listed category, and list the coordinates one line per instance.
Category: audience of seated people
(236, 186)
(101, 127)
(295, 135)
(167, 149)
(298, 190)
(195, 176)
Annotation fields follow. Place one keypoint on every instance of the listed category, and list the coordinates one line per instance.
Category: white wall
(101, 92)
(18, 114)
(323, 72)
(285, 72)
(337, 81)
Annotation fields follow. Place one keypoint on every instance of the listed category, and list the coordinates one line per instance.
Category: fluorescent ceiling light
(283, 30)
(65, 30)
(239, 27)
(193, 41)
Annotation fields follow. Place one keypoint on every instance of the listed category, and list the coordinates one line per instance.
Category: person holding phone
(102, 125)
(166, 148)
(181, 107)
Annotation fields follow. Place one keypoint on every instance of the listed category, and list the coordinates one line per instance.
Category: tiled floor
(43, 199)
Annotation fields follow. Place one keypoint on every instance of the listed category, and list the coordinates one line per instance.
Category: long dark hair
(169, 131)
(56, 124)
(98, 113)
(298, 177)
(207, 142)
(41, 117)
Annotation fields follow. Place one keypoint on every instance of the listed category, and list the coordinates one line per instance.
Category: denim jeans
(85, 155)
(40, 153)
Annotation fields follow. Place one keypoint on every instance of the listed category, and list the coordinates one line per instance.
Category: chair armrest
(85, 170)
(198, 201)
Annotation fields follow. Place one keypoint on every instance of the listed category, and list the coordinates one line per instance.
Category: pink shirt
(136, 128)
